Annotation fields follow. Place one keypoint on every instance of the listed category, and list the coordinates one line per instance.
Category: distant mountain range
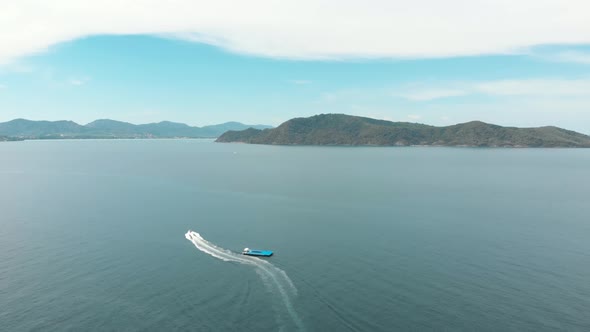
(340, 129)
(6, 138)
(27, 129)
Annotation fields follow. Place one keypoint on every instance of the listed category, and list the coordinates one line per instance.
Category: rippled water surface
(92, 237)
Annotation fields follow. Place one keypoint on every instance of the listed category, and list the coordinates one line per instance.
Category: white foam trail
(275, 279)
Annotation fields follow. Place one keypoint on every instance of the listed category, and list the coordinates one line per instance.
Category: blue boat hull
(261, 253)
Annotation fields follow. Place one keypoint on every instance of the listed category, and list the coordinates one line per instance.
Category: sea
(94, 236)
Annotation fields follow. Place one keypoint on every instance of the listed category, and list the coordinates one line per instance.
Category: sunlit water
(92, 237)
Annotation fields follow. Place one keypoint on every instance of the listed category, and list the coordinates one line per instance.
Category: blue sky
(145, 79)
(515, 63)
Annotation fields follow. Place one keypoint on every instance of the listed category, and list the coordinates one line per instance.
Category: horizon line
(297, 117)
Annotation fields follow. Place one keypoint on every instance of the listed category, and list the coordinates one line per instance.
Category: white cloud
(414, 117)
(570, 56)
(512, 87)
(305, 28)
(545, 87)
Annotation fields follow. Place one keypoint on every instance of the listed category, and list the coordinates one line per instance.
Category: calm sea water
(92, 237)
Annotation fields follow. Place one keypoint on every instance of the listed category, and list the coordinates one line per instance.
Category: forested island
(9, 139)
(341, 129)
(20, 129)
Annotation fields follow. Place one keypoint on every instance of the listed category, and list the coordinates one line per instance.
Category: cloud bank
(512, 87)
(305, 29)
(571, 56)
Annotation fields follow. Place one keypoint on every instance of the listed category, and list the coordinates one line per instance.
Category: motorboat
(255, 252)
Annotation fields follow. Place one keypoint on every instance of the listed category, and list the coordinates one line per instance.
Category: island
(10, 139)
(341, 129)
(21, 129)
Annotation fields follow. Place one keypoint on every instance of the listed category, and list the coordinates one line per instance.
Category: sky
(435, 62)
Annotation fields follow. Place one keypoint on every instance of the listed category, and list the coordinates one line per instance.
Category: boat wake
(275, 279)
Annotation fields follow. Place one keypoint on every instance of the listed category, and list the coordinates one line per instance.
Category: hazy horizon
(137, 124)
(245, 123)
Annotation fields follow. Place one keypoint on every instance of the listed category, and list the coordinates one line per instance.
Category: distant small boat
(252, 252)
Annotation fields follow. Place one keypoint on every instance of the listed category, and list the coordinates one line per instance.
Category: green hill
(340, 129)
(105, 128)
(8, 139)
